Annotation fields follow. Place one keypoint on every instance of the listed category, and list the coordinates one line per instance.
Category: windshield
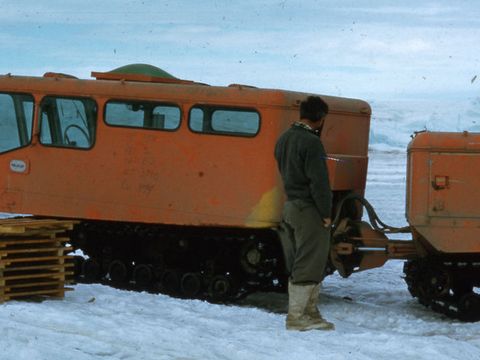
(16, 118)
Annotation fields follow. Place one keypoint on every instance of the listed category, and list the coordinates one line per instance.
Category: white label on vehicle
(18, 166)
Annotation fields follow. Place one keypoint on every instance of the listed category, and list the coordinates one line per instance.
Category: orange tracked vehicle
(176, 186)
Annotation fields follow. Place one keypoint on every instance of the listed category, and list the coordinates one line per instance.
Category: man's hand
(327, 222)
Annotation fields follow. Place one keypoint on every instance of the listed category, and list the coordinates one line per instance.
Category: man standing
(301, 160)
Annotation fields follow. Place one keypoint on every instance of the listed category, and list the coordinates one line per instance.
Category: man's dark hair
(313, 108)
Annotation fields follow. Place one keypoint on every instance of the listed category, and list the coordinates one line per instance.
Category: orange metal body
(172, 177)
(443, 196)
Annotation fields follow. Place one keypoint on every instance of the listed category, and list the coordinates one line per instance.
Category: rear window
(210, 119)
(143, 114)
(16, 118)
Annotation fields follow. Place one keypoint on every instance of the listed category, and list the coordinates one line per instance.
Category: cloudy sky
(356, 48)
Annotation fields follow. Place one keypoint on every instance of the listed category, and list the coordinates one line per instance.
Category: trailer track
(447, 287)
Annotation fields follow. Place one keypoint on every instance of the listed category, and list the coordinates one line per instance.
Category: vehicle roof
(235, 94)
(445, 141)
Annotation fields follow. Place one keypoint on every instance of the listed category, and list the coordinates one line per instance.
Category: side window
(68, 122)
(16, 118)
(219, 120)
(142, 114)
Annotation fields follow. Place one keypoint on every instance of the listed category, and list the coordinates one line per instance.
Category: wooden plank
(35, 221)
(7, 288)
(25, 220)
(22, 225)
(45, 285)
(37, 232)
(37, 276)
(59, 292)
(19, 252)
(41, 246)
(4, 252)
(39, 267)
(11, 230)
(26, 231)
(35, 259)
(21, 241)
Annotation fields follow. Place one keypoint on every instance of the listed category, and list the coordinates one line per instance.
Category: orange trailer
(443, 200)
(444, 214)
(443, 267)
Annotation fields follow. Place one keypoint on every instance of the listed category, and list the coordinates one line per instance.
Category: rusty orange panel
(347, 171)
(442, 190)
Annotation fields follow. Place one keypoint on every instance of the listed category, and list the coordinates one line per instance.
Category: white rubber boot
(297, 318)
(312, 309)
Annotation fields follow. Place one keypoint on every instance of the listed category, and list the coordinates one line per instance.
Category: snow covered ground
(375, 316)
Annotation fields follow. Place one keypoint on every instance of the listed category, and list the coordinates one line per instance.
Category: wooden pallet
(34, 258)
(27, 226)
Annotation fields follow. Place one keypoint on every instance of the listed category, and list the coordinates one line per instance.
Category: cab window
(68, 122)
(16, 118)
(224, 121)
(143, 114)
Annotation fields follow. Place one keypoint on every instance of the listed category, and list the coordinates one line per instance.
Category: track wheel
(250, 257)
(220, 288)
(171, 281)
(436, 282)
(143, 275)
(191, 284)
(118, 271)
(91, 270)
(78, 266)
(469, 307)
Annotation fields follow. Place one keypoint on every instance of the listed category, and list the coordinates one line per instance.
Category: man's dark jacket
(301, 160)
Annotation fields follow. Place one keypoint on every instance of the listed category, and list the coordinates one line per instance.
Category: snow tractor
(175, 186)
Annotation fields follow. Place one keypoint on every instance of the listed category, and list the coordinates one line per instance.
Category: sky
(376, 49)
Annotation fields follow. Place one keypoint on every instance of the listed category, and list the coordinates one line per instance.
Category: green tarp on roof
(142, 69)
